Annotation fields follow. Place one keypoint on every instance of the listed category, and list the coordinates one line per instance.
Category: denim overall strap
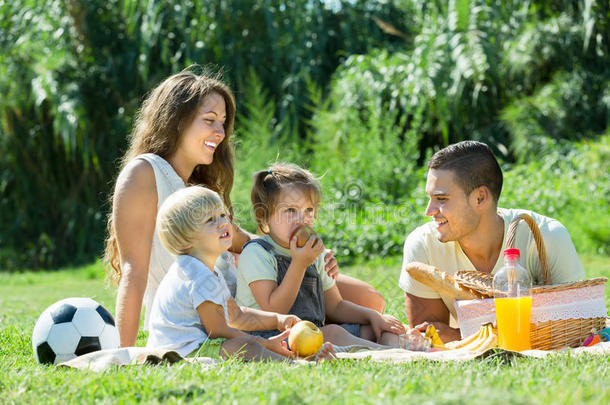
(309, 303)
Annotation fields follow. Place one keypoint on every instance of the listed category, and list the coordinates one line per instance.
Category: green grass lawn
(565, 379)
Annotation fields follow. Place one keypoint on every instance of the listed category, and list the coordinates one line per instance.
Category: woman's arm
(240, 238)
(360, 292)
(134, 216)
(352, 289)
(343, 311)
(348, 312)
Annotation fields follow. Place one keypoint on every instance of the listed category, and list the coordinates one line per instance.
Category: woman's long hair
(166, 112)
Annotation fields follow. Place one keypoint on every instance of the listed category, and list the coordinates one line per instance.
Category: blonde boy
(193, 302)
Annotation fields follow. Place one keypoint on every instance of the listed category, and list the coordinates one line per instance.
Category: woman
(181, 136)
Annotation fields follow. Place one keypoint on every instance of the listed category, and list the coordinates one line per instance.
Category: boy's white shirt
(174, 320)
(422, 245)
(255, 263)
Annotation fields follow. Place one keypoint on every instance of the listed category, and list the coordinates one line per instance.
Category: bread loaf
(439, 281)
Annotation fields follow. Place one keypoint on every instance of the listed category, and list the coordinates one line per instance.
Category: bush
(260, 140)
(73, 73)
(571, 183)
(357, 91)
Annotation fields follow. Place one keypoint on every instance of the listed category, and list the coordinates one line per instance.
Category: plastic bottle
(512, 286)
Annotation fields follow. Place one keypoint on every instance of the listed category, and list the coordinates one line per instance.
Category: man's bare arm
(422, 312)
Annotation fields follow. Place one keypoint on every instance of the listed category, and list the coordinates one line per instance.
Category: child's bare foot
(326, 353)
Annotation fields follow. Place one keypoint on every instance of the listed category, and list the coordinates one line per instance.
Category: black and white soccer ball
(72, 327)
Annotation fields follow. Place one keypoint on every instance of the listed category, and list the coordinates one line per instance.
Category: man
(468, 232)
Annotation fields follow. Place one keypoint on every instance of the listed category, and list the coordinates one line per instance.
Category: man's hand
(445, 332)
(424, 311)
(330, 264)
(385, 323)
(286, 321)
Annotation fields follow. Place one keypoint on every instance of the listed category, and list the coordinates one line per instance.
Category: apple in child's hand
(305, 339)
(303, 232)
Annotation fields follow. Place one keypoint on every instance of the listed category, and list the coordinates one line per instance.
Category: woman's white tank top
(168, 182)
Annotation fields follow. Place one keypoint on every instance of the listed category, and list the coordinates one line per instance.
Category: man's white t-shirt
(174, 320)
(422, 245)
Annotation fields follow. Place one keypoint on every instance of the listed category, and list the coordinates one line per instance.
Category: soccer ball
(72, 327)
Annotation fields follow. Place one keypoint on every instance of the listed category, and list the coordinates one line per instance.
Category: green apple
(305, 339)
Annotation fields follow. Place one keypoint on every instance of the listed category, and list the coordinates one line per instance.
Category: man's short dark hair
(473, 164)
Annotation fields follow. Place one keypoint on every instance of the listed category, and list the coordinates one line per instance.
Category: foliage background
(360, 92)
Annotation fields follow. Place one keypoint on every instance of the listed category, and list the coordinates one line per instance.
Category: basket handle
(510, 243)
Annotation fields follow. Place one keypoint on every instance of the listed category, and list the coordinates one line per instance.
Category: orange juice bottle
(512, 286)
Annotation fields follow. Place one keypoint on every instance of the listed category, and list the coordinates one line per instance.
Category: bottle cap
(512, 252)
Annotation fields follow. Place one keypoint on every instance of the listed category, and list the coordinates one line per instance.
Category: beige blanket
(104, 359)
(403, 356)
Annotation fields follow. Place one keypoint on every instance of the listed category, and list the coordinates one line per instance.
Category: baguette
(439, 281)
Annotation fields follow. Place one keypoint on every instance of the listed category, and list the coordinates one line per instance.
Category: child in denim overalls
(276, 275)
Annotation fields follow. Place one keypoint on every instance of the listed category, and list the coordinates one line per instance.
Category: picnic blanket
(104, 359)
(405, 356)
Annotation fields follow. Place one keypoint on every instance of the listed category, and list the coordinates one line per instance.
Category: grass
(23, 296)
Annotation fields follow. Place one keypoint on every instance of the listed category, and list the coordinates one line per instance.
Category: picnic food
(303, 232)
(305, 339)
(478, 342)
(414, 341)
(513, 319)
(439, 281)
(435, 339)
(478, 281)
(513, 302)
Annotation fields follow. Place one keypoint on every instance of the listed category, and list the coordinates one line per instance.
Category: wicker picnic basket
(555, 334)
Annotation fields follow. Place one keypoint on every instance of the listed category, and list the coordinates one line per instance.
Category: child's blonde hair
(269, 183)
(182, 213)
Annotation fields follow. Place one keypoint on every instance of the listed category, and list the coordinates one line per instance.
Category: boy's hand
(274, 344)
(286, 321)
(330, 264)
(386, 323)
(307, 254)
